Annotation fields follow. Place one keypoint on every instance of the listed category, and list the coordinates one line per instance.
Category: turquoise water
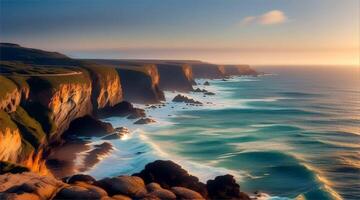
(291, 134)
(296, 132)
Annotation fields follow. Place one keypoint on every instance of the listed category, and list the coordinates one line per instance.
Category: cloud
(270, 18)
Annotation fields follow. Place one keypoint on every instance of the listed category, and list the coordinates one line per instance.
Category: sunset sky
(220, 31)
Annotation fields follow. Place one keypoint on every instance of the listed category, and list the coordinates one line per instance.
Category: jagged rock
(169, 174)
(144, 121)
(131, 186)
(186, 194)
(28, 185)
(123, 109)
(185, 99)
(89, 126)
(80, 190)
(225, 187)
(81, 178)
(206, 83)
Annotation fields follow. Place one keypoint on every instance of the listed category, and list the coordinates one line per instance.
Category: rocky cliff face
(239, 70)
(10, 95)
(106, 86)
(141, 84)
(210, 71)
(176, 77)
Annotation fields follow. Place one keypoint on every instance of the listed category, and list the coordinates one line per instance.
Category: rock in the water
(81, 178)
(185, 99)
(131, 186)
(89, 126)
(80, 190)
(209, 93)
(144, 121)
(28, 185)
(206, 83)
(186, 194)
(168, 174)
(225, 187)
(123, 109)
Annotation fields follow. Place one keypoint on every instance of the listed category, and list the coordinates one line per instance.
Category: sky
(257, 32)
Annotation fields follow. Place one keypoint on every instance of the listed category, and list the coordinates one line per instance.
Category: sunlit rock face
(106, 91)
(210, 71)
(64, 100)
(10, 144)
(10, 95)
(141, 84)
(239, 70)
(176, 77)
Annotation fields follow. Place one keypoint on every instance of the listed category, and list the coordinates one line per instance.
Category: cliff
(176, 77)
(239, 70)
(139, 80)
(205, 70)
(141, 84)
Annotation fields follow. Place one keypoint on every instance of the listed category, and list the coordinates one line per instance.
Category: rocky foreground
(159, 180)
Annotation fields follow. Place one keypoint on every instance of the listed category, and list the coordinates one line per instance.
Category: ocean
(294, 133)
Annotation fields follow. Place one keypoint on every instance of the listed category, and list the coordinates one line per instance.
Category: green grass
(6, 86)
(30, 129)
(6, 122)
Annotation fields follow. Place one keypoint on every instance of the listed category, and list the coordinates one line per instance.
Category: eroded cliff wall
(176, 77)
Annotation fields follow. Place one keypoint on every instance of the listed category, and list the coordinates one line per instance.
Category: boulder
(206, 83)
(144, 121)
(156, 191)
(209, 93)
(123, 109)
(28, 185)
(120, 197)
(80, 190)
(225, 187)
(89, 126)
(168, 174)
(81, 178)
(131, 186)
(186, 194)
(185, 99)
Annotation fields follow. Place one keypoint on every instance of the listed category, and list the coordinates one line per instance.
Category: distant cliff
(205, 70)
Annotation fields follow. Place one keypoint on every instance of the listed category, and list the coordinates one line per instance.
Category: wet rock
(168, 174)
(94, 156)
(123, 109)
(185, 99)
(80, 190)
(206, 83)
(28, 185)
(225, 187)
(144, 121)
(81, 178)
(209, 93)
(224, 79)
(131, 186)
(186, 194)
(89, 126)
